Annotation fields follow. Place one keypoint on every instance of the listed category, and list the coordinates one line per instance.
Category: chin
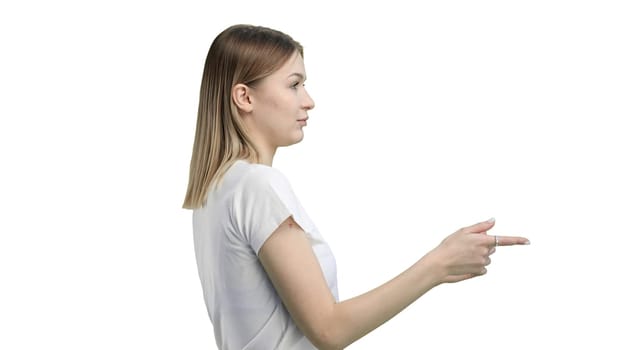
(301, 136)
(296, 138)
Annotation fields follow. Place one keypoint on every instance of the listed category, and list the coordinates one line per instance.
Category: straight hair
(241, 54)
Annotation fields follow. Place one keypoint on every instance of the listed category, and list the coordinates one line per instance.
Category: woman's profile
(268, 276)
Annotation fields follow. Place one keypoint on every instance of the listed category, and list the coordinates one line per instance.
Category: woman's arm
(295, 272)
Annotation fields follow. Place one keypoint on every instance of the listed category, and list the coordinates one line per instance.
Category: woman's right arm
(295, 272)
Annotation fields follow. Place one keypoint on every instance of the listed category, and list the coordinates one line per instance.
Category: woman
(268, 276)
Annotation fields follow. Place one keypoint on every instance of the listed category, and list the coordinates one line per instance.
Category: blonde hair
(240, 54)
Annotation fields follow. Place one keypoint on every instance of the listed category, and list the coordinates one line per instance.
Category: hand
(466, 253)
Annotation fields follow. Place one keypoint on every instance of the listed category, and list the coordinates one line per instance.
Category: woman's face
(280, 105)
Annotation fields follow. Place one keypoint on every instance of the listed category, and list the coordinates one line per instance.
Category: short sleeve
(264, 200)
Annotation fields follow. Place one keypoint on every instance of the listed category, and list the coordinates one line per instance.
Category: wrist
(433, 268)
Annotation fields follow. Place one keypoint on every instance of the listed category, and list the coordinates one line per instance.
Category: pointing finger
(508, 240)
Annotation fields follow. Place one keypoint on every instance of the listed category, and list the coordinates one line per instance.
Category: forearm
(331, 325)
(354, 318)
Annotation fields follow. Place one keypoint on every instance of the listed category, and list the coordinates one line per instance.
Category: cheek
(270, 107)
(284, 103)
(278, 107)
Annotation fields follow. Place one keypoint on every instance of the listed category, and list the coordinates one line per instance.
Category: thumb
(481, 227)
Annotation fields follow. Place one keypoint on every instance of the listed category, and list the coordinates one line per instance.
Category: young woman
(268, 276)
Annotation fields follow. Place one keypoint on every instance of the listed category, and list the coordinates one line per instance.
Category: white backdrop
(428, 117)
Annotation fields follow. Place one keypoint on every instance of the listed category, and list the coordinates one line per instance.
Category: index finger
(509, 240)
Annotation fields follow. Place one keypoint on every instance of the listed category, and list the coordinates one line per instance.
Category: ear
(241, 97)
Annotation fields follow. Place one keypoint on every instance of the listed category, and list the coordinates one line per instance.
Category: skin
(272, 111)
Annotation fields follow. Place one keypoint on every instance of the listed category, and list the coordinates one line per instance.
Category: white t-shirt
(238, 216)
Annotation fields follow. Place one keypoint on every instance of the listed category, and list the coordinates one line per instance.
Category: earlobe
(241, 97)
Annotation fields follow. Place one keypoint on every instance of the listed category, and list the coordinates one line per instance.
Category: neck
(265, 153)
(265, 150)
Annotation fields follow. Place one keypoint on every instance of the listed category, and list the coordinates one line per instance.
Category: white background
(428, 117)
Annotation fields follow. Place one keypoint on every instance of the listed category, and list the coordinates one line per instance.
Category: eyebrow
(299, 75)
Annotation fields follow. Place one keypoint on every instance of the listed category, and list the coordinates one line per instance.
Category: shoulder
(256, 183)
(258, 176)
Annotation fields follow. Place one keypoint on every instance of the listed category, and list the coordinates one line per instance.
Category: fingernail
(527, 242)
(491, 220)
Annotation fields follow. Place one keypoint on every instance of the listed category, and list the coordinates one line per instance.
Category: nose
(307, 102)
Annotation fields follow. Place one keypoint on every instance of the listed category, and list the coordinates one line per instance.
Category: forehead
(293, 66)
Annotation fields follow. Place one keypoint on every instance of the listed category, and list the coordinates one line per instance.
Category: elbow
(325, 344)
(326, 337)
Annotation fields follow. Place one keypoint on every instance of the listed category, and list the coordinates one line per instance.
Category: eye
(295, 85)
